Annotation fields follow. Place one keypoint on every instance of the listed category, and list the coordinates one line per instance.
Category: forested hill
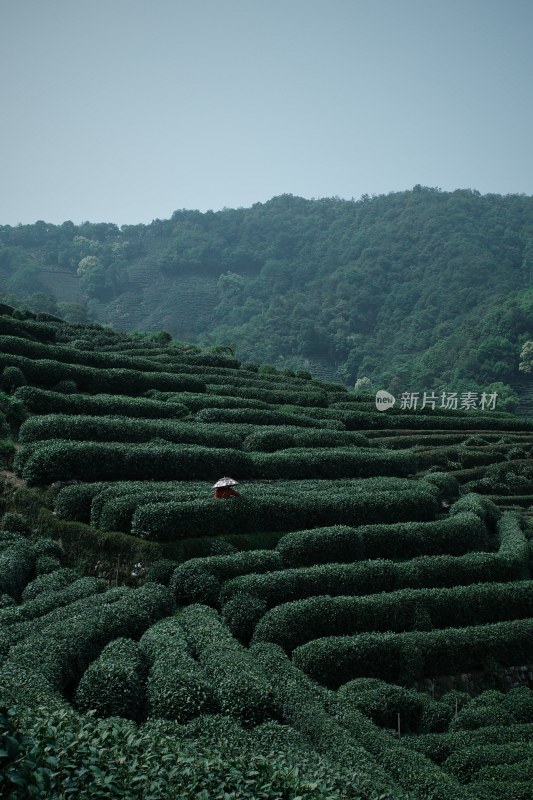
(414, 289)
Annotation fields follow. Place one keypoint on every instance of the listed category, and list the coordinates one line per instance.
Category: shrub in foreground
(115, 683)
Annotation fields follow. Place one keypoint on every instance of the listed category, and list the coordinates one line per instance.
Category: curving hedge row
(275, 396)
(48, 601)
(293, 624)
(473, 761)
(107, 428)
(10, 326)
(49, 582)
(493, 707)
(507, 789)
(367, 420)
(340, 730)
(347, 462)
(118, 429)
(48, 373)
(199, 580)
(96, 461)
(41, 401)
(196, 402)
(19, 630)
(73, 502)
(76, 501)
(253, 416)
(406, 657)
(510, 563)
(440, 747)
(178, 688)
(173, 520)
(462, 457)
(482, 507)
(54, 460)
(240, 685)
(62, 651)
(112, 513)
(287, 436)
(19, 344)
(455, 536)
(513, 545)
(382, 702)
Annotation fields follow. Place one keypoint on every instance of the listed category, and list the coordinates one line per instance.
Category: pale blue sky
(126, 110)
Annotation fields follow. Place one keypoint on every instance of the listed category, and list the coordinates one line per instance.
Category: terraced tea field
(358, 623)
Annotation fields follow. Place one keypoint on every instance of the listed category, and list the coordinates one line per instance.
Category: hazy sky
(126, 110)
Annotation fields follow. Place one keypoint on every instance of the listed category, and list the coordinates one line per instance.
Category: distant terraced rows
(370, 557)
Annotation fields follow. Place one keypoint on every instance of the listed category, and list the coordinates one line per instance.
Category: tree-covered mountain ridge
(415, 290)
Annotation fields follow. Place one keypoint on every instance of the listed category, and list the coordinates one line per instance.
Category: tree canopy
(413, 289)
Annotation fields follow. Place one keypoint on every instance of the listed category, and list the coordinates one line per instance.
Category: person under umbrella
(223, 489)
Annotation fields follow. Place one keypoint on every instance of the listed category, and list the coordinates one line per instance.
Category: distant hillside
(415, 290)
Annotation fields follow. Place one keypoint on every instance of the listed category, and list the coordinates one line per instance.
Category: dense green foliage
(114, 684)
(342, 544)
(293, 624)
(177, 686)
(241, 687)
(409, 656)
(386, 287)
(359, 543)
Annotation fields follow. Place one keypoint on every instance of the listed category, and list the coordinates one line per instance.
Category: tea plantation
(356, 625)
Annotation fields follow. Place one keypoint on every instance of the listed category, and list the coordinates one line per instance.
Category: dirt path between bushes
(13, 478)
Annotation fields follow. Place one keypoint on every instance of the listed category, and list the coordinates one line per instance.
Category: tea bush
(510, 563)
(240, 685)
(73, 502)
(16, 567)
(46, 610)
(48, 373)
(410, 656)
(44, 565)
(352, 462)
(288, 436)
(484, 508)
(294, 624)
(467, 764)
(347, 736)
(241, 614)
(382, 702)
(174, 520)
(62, 651)
(119, 429)
(252, 416)
(200, 579)
(178, 688)
(342, 544)
(15, 523)
(262, 391)
(93, 461)
(440, 747)
(48, 601)
(114, 684)
(41, 401)
(49, 582)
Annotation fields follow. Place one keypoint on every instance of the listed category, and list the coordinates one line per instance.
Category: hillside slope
(357, 624)
(415, 290)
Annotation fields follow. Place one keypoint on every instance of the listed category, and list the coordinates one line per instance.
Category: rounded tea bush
(115, 684)
(16, 523)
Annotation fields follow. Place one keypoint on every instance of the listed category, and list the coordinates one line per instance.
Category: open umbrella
(225, 482)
